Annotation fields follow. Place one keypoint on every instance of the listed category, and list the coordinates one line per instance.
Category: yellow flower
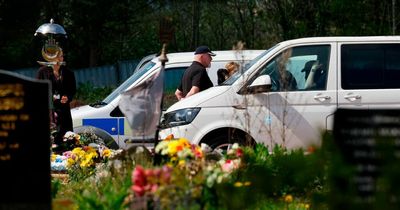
(184, 142)
(238, 184)
(53, 157)
(106, 153)
(77, 150)
(247, 183)
(173, 159)
(70, 162)
(307, 206)
(181, 162)
(87, 161)
(288, 198)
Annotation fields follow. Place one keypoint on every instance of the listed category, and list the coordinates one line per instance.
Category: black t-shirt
(195, 75)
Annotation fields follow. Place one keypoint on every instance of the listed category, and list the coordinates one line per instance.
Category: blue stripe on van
(107, 124)
(121, 126)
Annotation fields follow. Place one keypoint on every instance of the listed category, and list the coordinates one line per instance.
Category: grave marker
(24, 143)
(366, 176)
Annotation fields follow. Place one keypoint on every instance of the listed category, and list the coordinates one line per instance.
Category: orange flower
(179, 148)
(169, 137)
(288, 198)
(311, 149)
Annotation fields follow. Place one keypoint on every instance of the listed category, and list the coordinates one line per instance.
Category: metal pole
(163, 59)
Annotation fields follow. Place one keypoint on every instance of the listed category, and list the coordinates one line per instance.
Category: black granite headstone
(24, 143)
(368, 173)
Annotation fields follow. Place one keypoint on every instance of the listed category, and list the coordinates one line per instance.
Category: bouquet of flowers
(179, 151)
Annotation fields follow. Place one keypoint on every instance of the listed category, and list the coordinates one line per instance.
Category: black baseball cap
(204, 49)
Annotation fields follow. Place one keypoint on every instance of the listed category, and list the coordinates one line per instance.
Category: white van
(105, 118)
(271, 103)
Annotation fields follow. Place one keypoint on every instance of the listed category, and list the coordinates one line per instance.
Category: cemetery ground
(180, 175)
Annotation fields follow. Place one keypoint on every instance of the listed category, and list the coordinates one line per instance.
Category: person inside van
(222, 75)
(315, 76)
(288, 82)
(231, 67)
(195, 77)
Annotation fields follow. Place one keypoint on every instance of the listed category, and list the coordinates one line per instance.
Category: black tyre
(224, 138)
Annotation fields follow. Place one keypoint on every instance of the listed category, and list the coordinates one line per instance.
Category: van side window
(172, 79)
(290, 70)
(370, 66)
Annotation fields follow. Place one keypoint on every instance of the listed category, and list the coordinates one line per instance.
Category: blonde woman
(232, 67)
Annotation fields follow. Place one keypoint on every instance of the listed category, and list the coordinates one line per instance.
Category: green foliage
(77, 174)
(87, 93)
(271, 176)
(106, 193)
(55, 187)
(108, 187)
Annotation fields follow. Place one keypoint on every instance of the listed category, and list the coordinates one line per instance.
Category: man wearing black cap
(195, 78)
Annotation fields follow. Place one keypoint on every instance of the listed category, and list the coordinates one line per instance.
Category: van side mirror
(260, 85)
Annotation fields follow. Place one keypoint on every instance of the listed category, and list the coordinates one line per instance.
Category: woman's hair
(232, 67)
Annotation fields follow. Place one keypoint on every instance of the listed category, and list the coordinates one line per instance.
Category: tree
(17, 26)
(104, 31)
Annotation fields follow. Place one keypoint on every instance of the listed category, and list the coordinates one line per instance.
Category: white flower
(205, 147)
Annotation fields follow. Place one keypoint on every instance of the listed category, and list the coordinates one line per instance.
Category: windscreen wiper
(98, 104)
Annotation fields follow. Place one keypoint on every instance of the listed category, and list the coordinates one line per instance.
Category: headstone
(366, 171)
(24, 143)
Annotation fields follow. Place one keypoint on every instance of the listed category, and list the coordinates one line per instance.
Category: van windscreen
(129, 81)
(243, 69)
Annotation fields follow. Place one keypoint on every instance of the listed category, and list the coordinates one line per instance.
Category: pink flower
(67, 154)
(139, 180)
(239, 152)
(148, 180)
(139, 191)
(153, 188)
(229, 166)
(166, 174)
(197, 151)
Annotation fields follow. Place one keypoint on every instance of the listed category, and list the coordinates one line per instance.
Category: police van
(105, 118)
(288, 95)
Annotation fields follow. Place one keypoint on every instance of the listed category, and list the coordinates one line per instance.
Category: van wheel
(103, 136)
(224, 138)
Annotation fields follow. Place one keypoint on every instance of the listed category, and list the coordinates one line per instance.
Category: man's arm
(178, 94)
(193, 91)
(310, 83)
(310, 80)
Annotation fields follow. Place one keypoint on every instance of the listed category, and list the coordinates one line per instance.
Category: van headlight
(179, 117)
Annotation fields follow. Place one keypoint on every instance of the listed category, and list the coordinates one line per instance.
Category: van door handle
(322, 97)
(352, 97)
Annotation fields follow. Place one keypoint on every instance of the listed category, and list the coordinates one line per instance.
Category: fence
(109, 75)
